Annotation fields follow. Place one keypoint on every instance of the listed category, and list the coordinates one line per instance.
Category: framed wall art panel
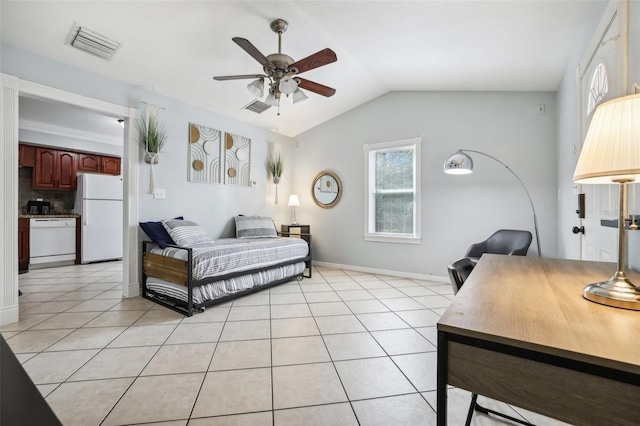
(205, 146)
(237, 160)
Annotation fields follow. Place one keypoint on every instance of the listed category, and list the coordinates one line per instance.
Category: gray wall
(456, 210)
(211, 205)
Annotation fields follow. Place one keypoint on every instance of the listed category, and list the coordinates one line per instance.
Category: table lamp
(294, 201)
(611, 154)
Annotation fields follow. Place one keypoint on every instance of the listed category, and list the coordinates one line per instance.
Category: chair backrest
(504, 241)
(459, 272)
(509, 241)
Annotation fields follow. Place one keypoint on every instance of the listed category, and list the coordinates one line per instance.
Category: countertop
(48, 216)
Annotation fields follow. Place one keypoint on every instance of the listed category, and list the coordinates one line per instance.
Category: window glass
(393, 182)
(598, 88)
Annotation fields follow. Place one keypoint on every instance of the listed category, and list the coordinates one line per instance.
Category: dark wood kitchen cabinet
(111, 165)
(95, 163)
(23, 243)
(26, 155)
(54, 169)
(89, 163)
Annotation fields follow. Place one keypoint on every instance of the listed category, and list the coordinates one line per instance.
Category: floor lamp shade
(611, 154)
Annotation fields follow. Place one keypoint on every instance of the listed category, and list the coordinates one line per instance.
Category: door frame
(11, 88)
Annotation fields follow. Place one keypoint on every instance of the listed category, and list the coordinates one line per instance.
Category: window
(598, 88)
(392, 188)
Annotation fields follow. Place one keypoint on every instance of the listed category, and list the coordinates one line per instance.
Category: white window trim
(416, 238)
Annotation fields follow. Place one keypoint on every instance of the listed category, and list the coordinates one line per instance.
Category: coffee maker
(38, 207)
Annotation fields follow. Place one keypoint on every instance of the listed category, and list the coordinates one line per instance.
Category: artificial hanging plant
(153, 136)
(275, 167)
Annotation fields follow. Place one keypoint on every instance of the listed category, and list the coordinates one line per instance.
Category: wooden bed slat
(166, 268)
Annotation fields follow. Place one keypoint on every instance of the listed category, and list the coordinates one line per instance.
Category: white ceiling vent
(95, 43)
(257, 106)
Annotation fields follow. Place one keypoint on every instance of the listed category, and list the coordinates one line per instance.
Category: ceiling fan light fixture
(271, 100)
(288, 85)
(256, 88)
(298, 96)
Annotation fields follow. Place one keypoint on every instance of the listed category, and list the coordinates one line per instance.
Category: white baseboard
(401, 274)
(9, 315)
(134, 290)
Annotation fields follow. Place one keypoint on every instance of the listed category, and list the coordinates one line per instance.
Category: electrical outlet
(159, 194)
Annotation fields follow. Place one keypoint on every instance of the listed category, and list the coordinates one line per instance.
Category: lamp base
(618, 292)
(295, 223)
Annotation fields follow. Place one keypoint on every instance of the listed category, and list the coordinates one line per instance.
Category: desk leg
(441, 402)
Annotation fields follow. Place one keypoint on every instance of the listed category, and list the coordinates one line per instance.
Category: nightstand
(294, 230)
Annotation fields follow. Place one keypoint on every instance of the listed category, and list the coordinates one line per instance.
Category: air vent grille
(94, 43)
(257, 106)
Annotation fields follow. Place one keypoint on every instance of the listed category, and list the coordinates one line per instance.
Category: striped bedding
(225, 287)
(231, 255)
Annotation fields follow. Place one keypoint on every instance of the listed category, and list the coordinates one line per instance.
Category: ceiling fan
(282, 71)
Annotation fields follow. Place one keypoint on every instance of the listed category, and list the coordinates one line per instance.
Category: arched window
(598, 88)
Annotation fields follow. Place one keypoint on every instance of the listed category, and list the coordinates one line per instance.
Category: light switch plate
(159, 194)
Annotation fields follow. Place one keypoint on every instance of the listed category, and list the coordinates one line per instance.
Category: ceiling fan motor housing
(282, 62)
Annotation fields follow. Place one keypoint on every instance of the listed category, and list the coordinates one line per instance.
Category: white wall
(211, 205)
(78, 144)
(456, 210)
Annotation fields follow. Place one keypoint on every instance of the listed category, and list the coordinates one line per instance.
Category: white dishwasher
(52, 240)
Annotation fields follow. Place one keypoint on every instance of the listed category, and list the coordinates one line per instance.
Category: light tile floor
(343, 348)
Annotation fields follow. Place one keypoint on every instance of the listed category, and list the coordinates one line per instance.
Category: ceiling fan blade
(314, 87)
(238, 77)
(253, 51)
(318, 59)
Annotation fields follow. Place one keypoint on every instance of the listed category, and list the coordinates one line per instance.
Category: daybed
(192, 271)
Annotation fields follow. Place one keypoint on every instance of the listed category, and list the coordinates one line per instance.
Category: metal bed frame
(181, 272)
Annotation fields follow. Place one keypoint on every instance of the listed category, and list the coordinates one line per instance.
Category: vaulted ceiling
(174, 48)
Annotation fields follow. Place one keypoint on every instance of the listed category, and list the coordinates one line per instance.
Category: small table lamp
(294, 201)
(611, 154)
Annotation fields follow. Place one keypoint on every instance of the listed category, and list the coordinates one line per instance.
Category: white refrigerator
(99, 202)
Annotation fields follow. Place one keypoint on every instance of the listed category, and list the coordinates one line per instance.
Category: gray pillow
(255, 227)
(186, 233)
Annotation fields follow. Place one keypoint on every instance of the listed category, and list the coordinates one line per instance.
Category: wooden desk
(519, 331)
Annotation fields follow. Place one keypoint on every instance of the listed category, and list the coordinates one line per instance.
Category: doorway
(12, 89)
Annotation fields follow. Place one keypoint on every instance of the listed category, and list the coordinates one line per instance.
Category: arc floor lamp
(460, 163)
(611, 154)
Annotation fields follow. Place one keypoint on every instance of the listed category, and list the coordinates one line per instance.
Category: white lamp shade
(294, 201)
(288, 85)
(256, 88)
(458, 163)
(611, 149)
(298, 96)
(271, 100)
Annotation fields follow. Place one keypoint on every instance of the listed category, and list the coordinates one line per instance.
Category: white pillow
(186, 233)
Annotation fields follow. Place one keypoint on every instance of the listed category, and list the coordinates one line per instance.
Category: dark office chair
(459, 271)
(504, 241)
